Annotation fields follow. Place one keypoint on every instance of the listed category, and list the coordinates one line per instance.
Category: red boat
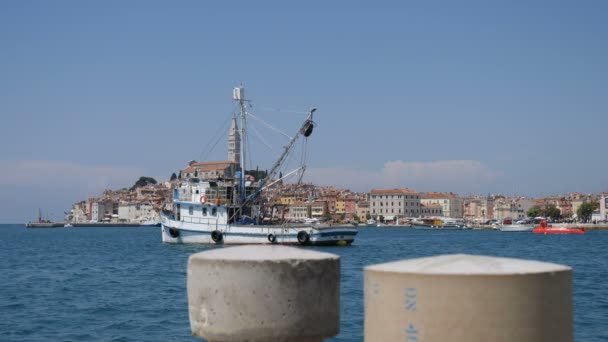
(543, 228)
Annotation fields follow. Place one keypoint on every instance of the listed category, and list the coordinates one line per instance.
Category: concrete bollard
(264, 293)
(460, 298)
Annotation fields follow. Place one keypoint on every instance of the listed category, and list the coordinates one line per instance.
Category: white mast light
(238, 93)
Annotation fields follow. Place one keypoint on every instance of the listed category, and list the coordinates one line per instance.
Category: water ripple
(122, 284)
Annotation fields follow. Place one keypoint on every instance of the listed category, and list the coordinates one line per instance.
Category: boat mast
(238, 94)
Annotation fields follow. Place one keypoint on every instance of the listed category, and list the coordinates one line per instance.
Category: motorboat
(543, 228)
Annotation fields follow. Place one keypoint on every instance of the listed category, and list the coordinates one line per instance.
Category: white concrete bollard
(264, 293)
(460, 298)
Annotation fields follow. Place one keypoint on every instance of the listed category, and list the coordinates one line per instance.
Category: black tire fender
(303, 237)
(174, 233)
(272, 238)
(217, 236)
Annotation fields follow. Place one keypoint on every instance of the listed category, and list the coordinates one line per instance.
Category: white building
(394, 203)
(102, 211)
(299, 211)
(604, 208)
(512, 208)
(136, 212)
(451, 204)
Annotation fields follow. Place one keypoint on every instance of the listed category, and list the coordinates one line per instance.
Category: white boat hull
(228, 234)
(516, 228)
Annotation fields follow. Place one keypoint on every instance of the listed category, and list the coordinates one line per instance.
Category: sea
(123, 284)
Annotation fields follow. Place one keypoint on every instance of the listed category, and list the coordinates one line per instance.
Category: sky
(472, 97)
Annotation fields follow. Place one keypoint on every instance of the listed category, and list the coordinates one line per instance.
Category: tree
(173, 176)
(534, 211)
(381, 218)
(585, 210)
(368, 216)
(553, 212)
(356, 218)
(143, 181)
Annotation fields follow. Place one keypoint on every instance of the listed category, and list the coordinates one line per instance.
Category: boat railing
(201, 220)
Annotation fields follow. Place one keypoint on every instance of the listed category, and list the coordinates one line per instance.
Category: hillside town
(298, 202)
(285, 202)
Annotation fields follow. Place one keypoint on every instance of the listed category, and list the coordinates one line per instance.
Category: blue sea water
(123, 284)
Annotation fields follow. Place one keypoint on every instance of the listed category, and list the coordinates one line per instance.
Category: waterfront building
(394, 203)
(431, 210)
(451, 204)
(604, 207)
(299, 211)
(511, 208)
(350, 205)
(562, 203)
(319, 210)
(340, 205)
(102, 211)
(136, 212)
(362, 210)
(479, 209)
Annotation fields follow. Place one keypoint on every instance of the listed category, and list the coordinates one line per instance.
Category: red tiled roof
(436, 195)
(393, 191)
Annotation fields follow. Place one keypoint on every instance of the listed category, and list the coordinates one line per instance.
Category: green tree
(173, 176)
(381, 218)
(534, 211)
(552, 211)
(368, 216)
(585, 210)
(143, 181)
(356, 218)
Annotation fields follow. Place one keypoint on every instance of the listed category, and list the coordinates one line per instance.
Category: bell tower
(234, 143)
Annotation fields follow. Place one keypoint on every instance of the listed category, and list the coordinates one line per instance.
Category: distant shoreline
(84, 225)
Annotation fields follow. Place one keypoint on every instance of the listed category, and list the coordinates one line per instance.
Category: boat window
(213, 211)
(204, 211)
(190, 210)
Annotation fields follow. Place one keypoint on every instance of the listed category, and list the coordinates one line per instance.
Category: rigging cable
(269, 126)
(220, 133)
(282, 110)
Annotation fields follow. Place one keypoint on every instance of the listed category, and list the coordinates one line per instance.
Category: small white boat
(67, 225)
(371, 222)
(516, 228)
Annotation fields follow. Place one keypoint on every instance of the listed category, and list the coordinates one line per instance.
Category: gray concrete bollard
(460, 298)
(264, 293)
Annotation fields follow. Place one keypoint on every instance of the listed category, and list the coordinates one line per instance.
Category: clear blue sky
(465, 96)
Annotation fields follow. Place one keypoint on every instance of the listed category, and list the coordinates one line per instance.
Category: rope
(220, 133)
(269, 126)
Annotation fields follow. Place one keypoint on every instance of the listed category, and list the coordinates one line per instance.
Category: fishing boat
(543, 228)
(231, 209)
